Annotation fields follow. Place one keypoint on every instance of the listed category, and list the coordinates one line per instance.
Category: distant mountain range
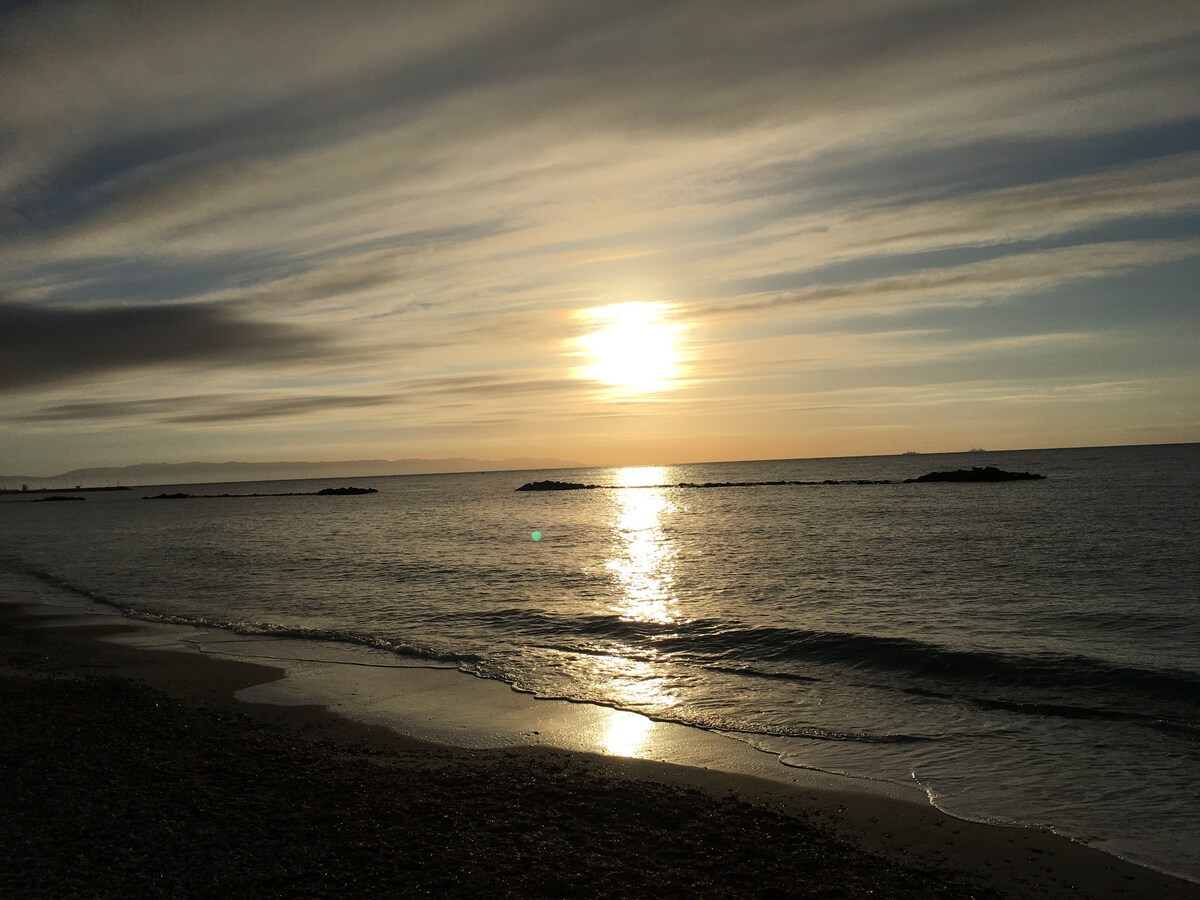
(209, 472)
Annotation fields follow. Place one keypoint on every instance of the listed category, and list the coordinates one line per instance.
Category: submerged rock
(343, 491)
(55, 497)
(976, 473)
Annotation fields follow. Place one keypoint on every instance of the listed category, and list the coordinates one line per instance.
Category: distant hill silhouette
(217, 472)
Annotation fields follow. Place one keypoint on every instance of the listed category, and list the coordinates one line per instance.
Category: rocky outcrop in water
(725, 484)
(324, 492)
(573, 486)
(555, 486)
(976, 473)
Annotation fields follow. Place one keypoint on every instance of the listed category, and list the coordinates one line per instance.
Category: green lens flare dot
(536, 535)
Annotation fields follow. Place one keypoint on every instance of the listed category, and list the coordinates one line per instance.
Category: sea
(1023, 652)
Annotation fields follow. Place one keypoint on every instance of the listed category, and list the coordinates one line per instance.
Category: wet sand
(136, 772)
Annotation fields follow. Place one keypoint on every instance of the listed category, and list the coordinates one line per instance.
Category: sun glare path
(643, 558)
(636, 350)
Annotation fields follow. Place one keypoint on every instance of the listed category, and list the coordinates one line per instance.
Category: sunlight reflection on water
(631, 682)
(641, 563)
(643, 557)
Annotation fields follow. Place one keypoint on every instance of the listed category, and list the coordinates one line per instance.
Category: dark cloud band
(50, 345)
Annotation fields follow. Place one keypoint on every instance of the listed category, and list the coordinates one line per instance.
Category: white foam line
(202, 647)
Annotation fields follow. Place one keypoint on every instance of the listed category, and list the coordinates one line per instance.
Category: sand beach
(132, 771)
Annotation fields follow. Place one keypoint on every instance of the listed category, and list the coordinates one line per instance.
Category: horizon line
(485, 471)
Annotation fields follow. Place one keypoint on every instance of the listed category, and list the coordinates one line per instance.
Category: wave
(751, 672)
(1069, 686)
(793, 653)
(823, 734)
(461, 660)
(896, 655)
(1065, 711)
(315, 634)
(1076, 687)
(718, 725)
(482, 668)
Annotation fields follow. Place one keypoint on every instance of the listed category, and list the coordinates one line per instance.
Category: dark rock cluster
(555, 486)
(324, 492)
(720, 484)
(976, 473)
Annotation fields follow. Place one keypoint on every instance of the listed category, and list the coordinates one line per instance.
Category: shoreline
(893, 835)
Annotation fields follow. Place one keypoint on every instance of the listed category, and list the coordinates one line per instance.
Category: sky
(614, 232)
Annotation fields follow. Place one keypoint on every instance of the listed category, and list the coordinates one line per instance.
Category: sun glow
(636, 350)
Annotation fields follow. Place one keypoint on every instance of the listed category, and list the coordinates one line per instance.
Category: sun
(636, 348)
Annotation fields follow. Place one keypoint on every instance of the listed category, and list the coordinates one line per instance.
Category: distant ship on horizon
(922, 452)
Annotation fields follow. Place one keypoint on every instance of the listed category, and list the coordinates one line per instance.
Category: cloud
(183, 106)
(41, 345)
(228, 195)
(515, 137)
(202, 409)
(1052, 208)
(1014, 274)
(424, 395)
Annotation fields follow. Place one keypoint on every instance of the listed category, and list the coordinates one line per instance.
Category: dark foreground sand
(131, 773)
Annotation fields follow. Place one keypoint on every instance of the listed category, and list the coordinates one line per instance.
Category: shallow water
(1023, 652)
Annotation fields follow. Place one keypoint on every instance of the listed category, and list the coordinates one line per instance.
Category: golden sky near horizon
(618, 233)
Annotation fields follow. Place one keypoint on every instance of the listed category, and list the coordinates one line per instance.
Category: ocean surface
(1023, 652)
